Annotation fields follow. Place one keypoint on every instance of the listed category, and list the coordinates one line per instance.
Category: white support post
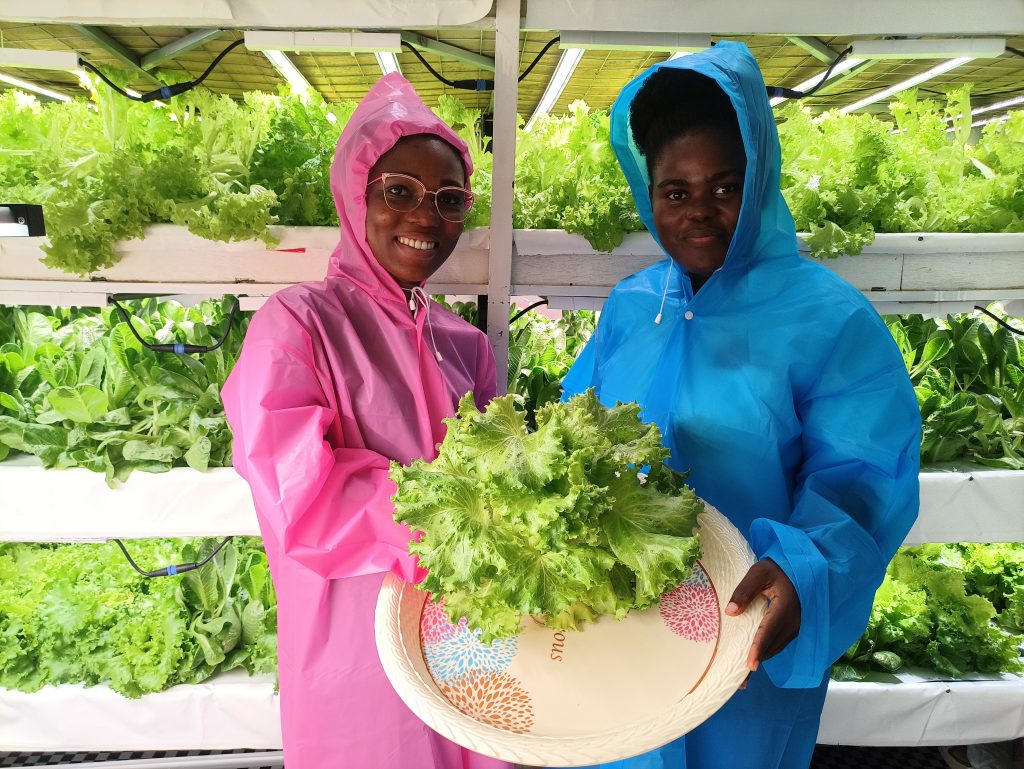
(506, 93)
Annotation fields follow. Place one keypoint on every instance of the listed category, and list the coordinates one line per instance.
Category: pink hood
(392, 109)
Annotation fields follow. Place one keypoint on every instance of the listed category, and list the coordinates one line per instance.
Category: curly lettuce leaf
(553, 523)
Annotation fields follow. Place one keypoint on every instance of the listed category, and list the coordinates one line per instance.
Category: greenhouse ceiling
(467, 52)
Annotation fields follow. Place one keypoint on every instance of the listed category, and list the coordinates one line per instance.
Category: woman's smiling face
(696, 195)
(413, 245)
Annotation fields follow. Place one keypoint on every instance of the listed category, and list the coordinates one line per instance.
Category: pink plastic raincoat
(335, 379)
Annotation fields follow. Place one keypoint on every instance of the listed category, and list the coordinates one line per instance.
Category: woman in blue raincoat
(774, 383)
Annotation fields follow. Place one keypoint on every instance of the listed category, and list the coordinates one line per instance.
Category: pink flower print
(435, 626)
(691, 610)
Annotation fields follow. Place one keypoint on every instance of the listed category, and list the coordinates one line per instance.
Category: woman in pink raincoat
(336, 379)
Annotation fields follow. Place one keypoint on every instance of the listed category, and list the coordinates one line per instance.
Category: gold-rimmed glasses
(405, 193)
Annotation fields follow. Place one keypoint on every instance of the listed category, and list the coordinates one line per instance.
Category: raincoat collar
(765, 228)
(392, 109)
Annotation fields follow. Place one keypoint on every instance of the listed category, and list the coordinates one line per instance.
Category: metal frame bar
(506, 93)
(115, 49)
(814, 47)
(448, 51)
(179, 46)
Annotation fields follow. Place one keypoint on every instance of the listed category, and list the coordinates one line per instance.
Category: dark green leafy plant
(78, 389)
(969, 379)
(540, 353)
(294, 158)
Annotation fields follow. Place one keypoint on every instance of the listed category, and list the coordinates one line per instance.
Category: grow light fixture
(949, 48)
(990, 108)
(986, 121)
(26, 58)
(946, 66)
(323, 42)
(841, 67)
(24, 85)
(566, 66)
(998, 105)
(387, 62)
(632, 41)
(288, 71)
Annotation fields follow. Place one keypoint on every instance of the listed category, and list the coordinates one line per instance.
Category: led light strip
(946, 66)
(288, 70)
(566, 66)
(33, 87)
(387, 62)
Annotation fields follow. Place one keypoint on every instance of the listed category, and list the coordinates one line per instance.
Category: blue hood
(765, 228)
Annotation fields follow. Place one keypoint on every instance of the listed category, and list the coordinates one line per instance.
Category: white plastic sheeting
(75, 505)
(228, 711)
(978, 506)
(919, 712)
(309, 14)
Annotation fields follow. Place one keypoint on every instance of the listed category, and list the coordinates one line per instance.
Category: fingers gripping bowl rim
(725, 559)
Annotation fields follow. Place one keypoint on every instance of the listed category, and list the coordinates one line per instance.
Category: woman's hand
(782, 620)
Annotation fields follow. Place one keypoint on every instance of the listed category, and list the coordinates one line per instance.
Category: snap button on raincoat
(335, 379)
(779, 387)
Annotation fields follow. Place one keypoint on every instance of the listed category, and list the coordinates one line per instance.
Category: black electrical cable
(167, 91)
(1016, 51)
(788, 93)
(539, 56)
(480, 84)
(999, 320)
(106, 80)
(177, 347)
(173, 569)
(431, 70)
(523, 312)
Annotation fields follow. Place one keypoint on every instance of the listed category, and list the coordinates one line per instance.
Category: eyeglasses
(405, 193)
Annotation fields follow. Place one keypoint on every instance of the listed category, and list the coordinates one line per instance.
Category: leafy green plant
(80, 614)
(969, 379)
(567, 178)
(929, 613)
(540, 353)
(847, 177)
(294, 158)
(553, 523)
(79, 390)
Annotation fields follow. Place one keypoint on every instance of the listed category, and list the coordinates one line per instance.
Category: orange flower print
(495, 699)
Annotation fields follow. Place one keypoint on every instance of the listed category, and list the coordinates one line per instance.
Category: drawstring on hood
(390, 111)
(664, 295)
(419, 295)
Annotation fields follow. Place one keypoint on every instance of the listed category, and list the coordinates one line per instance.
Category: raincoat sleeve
(855, 498)
(327, 506)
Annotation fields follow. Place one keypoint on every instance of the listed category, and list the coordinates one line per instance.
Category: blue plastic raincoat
(780, 389)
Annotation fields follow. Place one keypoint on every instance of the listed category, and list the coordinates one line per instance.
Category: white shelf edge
(230, 710)
(234, 711)
(920, 713)
(75, 505)
(897, 272)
